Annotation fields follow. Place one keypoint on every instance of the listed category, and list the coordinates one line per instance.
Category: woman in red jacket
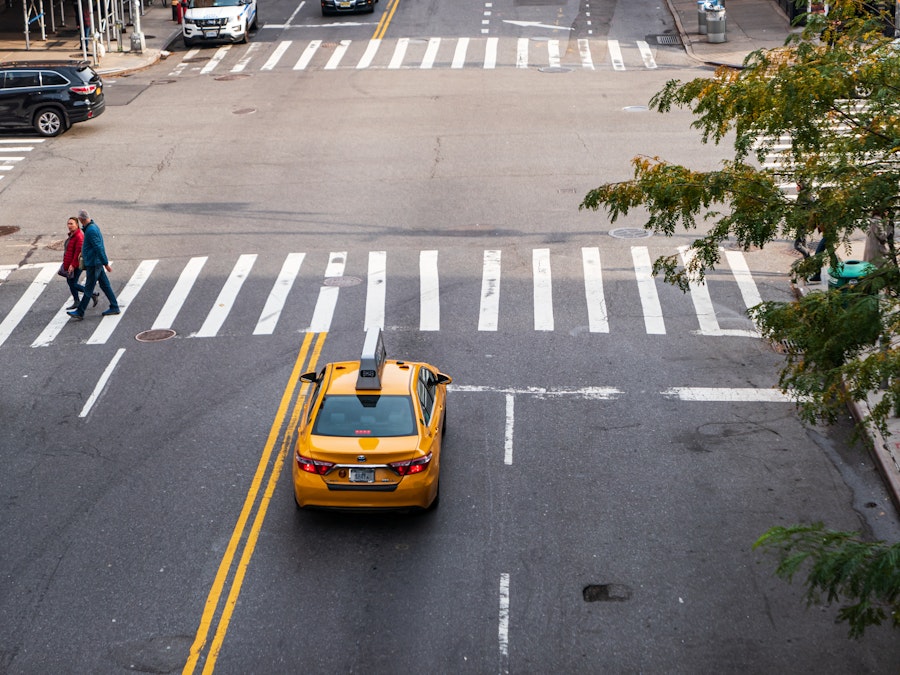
(71, 261)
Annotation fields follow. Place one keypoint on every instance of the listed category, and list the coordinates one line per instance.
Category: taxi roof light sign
(371, 362)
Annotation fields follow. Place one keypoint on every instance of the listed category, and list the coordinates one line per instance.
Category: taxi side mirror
(443, 379)
(309, 377)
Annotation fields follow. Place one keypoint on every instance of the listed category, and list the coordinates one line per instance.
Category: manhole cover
(8, 229)
(232, 76)
(244, 111)
(342, 281)
(57, 245)
(162, 81)
(555, 69)
(155, 335)
(635, 108)
(630, 233)
(606, 593)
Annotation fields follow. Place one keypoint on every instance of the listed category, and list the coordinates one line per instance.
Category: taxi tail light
(86, 89)
(313, 465)
(411, 466)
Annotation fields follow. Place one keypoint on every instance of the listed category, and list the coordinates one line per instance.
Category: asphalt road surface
(614, 446)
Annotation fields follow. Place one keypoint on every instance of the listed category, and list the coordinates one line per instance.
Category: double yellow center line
(230, 577)
(382, 27)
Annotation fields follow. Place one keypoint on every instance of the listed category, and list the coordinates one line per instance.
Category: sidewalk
(156, 25)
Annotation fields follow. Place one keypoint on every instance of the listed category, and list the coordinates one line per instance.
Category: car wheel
(188, 43)
(49, 122)
(245, 37)
(255, 25)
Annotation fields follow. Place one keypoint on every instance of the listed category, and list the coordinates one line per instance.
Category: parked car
(218, 21)
(49, 96)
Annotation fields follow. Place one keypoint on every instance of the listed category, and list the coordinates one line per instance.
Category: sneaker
(75, 315)
(110, 312)
(94, 299)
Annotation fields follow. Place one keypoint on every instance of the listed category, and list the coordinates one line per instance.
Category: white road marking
(522, 53)
(703, 305)
(223, 304)
(503, 627)
(741, 271)
(584, 51)
(369, 55)
(490, 292)
(375, 295)
(179, 293)
(101, 383)
(399, 53)
(247, 57)
(536, 24)
(52, 329)
(598, 318)
(490, 53)
(646, 54)
(278, 295)
(37, 286)
(459, 54)
(591, 393)
(430, 53)
(429, 291)
(727, 395)
(328, 295)
(643, 273)
(338, 54)
(553, 53)
(543, 289)
(510, 425)
(220, 54)
(109, 323)
(307, 55)
(615, 55)
(273, 60)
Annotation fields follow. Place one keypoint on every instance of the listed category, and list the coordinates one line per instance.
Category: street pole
(137, 36)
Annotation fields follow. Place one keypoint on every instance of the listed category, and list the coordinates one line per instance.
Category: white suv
(218, 21)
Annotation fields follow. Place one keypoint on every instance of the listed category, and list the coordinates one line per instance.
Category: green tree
(834, 91)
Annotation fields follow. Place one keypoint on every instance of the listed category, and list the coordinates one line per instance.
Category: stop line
(419, 53)
(591, 306)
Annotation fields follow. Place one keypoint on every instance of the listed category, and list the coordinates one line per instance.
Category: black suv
(49, 96)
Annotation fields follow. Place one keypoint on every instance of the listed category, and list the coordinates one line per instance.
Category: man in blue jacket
(96, 265)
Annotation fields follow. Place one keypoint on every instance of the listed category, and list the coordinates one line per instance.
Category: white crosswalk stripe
(490, 312)
(12, 152)
(487, 53)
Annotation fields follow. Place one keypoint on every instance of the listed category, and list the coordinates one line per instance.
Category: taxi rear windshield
(365, 415)
(214, 3)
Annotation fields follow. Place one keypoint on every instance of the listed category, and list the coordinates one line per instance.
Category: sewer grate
(231, 76)
(155, 335)
(630, 233)
(555, 69)
(665, 39)
(244, 111)
(606, 593)
(8, 229)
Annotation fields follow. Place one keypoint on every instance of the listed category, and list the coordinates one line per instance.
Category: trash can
(715, 23)
(701, 17)
(848, 273)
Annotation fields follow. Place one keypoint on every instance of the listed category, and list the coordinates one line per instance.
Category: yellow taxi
(370, 434)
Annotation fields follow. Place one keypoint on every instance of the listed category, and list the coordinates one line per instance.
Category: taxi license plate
(211, 33)
(362, 475)
(346, 4)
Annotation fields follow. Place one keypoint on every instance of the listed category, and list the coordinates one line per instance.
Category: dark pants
(95, 274)
(74, 287)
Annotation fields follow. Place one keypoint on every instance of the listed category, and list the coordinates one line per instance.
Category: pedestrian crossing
(422, 54)
(13, 151)
(310, 290)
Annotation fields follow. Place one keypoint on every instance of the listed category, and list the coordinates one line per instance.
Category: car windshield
(365, 415)
(215, 3)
